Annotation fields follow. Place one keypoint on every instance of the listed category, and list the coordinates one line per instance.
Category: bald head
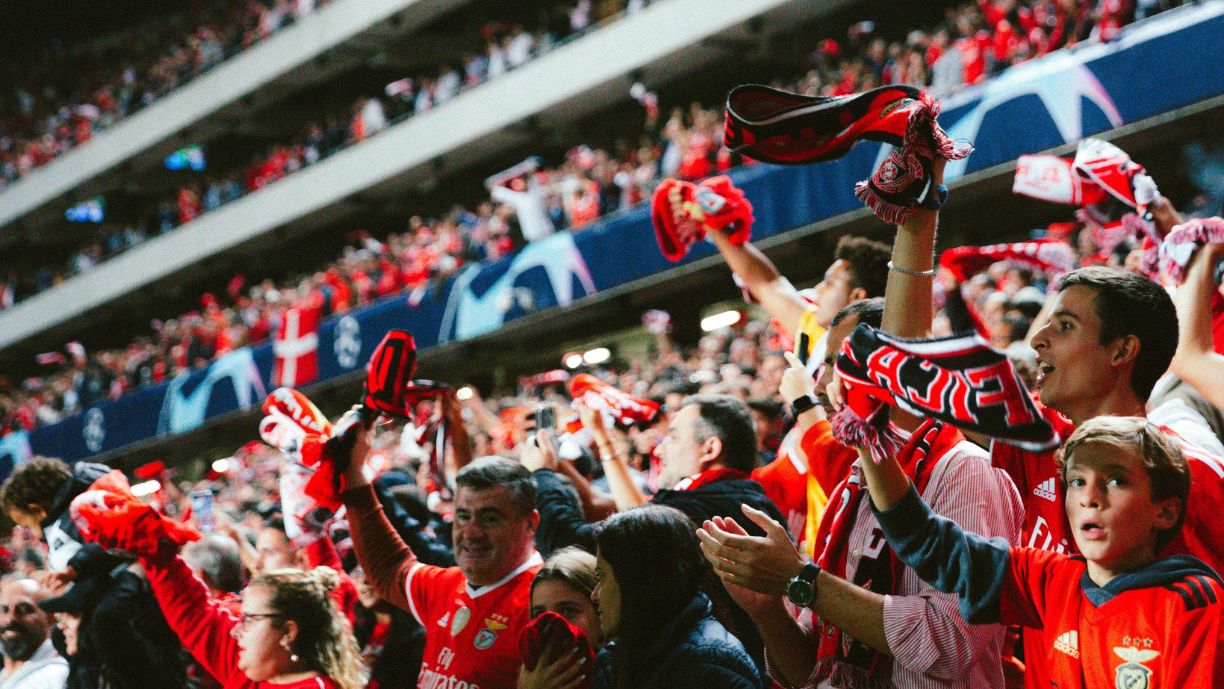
(23, 625)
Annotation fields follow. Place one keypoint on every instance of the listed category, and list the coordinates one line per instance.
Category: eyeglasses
(247, 617)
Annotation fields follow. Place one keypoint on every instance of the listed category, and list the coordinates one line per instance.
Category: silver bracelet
(907, 271)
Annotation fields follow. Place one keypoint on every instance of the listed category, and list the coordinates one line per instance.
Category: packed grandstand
(250, 194)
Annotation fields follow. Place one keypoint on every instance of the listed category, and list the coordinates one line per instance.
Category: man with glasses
(30, 662)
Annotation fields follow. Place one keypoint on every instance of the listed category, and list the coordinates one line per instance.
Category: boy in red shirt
(1115, 616)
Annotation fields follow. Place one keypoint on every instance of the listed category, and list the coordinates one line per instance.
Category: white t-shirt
(44, 670)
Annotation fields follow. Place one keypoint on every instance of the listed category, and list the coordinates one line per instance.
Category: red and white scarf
(847, 661)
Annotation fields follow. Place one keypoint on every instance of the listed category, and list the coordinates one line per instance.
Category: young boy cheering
(1115, 616)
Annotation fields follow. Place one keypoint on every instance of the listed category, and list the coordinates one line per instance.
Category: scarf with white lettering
(957, 379)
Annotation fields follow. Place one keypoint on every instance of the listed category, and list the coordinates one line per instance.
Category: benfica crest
(1133, 674)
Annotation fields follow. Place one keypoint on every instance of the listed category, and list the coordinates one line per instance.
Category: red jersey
(1154, 628)
(1201, 535)
(471, 637)
(1040, 485)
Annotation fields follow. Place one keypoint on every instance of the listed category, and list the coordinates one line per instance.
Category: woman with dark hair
(660, 624)
(392, 643)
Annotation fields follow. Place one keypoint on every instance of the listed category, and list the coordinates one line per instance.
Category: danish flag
(297, 348)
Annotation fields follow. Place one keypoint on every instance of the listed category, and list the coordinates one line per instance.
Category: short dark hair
(1160, 456)
(869, 311)
(35, 482)
(658, 566)
(868, 261)
(1130, 304)
(727, 417)
(491, 472)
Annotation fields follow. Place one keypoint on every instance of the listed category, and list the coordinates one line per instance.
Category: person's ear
(856, 294)
(1126, 349)
(291, 634)
(533, 521)
(711, 451)
(1167, 512)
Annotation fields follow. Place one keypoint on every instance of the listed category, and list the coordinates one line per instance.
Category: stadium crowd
(587, 184)
(581, 501)
(51, 105)
(843, 490)
(972, 43)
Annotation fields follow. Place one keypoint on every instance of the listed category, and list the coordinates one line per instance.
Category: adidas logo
(1047, 489)
(1068, 642)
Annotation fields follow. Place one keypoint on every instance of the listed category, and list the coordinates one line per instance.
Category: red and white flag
(296, 348)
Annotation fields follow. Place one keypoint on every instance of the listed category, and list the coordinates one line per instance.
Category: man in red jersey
(472, 613)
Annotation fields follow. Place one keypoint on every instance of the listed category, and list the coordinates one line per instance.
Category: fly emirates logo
(439, 677)
(1042, 538)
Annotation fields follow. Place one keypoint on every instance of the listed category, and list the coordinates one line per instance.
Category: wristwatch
(802, 404)
(802, 589)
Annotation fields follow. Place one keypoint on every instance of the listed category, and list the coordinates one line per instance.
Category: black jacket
(65, 548)
(695, 651)
(562, 523)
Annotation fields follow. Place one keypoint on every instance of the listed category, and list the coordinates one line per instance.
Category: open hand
(764, 564)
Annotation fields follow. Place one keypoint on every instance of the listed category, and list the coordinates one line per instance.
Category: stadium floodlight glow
(147, 488)
(221, 466)
(464, 393)
(572, 360)
(718, 321)
(597, 355)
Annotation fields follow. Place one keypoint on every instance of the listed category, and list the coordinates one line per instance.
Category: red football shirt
(1036, 477)
(1163, 635)
(471, 635)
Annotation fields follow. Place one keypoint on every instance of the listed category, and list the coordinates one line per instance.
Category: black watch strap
(802, 404)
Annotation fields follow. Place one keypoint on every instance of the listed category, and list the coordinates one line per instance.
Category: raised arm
(383, 555)
(616, 467)
(203, 625)
(1196, 360)
(761, 278)
(907, 297)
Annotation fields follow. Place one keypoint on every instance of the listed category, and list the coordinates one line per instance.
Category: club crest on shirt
(1133, 674)
(488, 636)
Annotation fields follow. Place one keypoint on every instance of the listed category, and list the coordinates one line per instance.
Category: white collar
(532, 561)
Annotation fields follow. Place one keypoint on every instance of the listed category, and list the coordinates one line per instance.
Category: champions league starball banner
(1155, 67)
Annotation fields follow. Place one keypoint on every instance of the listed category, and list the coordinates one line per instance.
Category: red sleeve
(428, 585)
(203, 624)
(1034, 586)
(1217, 321)
(1201, 535)
(383, 555)
(828, 460)
(1194, 643)
(322, 553)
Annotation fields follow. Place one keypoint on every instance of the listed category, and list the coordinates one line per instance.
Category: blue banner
(1158, 66)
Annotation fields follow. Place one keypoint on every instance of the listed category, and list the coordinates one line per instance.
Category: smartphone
(202, 509)
(545, 418)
